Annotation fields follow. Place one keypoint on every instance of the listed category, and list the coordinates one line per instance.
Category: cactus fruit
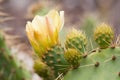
(73, 57)
(10, 67)
(103, 35)
(43, 70)
(54, 58)
(76, 39)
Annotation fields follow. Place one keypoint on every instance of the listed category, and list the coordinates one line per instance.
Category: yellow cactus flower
(43, 31)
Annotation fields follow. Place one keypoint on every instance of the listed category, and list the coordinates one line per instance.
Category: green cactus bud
(73, 57)
(43, 70)
(76, 39)
(103, 35)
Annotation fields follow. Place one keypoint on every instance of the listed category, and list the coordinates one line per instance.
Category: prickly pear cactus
(102, 64)
(10, 68)
(73, 62)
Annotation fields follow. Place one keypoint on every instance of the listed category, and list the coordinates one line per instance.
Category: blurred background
(78, 14)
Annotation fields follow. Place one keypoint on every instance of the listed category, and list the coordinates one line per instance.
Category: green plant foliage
(10, 67)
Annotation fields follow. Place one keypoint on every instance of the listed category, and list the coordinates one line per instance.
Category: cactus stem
(113, 58)
(97, 64)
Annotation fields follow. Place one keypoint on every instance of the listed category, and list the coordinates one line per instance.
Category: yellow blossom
(43, 31)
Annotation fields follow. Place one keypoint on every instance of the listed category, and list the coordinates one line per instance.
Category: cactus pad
(100, 65)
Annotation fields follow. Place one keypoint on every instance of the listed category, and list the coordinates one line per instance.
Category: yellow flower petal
(61, 20)
(51, 30)
(29, 31)
(39, 49)
(39, 25)
(41, 30)
(55, 17)
(57, 22)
